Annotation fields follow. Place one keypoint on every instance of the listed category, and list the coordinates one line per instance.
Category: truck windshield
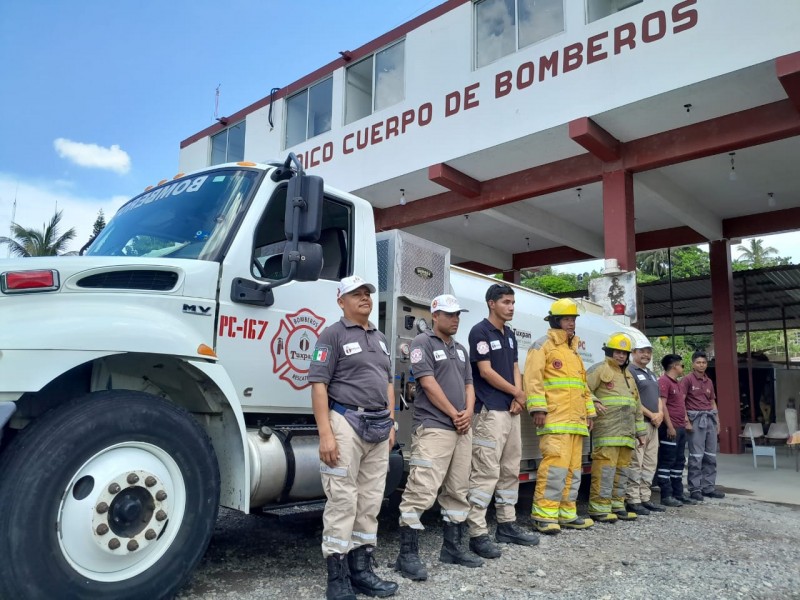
(186, 218)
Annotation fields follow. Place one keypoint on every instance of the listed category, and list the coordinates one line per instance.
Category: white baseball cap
(446, 303)
(352, 283)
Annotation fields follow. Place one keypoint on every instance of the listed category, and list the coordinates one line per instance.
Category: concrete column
(726, 364)
(619, 235)
(511, 276)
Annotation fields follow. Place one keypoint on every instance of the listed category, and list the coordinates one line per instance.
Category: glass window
(309, 113)
(539, 19)
(504, 26)
(597, 9)
(228, 145)
(495, 30)
(191, 217)
(375, 83)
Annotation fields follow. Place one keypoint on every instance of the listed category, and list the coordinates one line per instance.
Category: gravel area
(730, 548)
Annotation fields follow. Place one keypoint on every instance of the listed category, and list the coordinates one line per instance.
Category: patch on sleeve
(482, 348)
(610, 385)
(557, 364)
(321, 354)
(416, 355)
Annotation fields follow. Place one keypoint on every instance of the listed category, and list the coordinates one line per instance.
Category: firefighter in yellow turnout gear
(618, 424)
(562, 411)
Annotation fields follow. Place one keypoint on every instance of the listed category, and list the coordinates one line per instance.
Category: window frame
(517, 45)
(307, 91)
(226, 131)
(373, 57)
(631, 4)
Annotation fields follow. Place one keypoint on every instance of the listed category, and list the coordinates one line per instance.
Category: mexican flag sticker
(320, 354)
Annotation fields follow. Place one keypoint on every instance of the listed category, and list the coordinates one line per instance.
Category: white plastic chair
(778, 432)
(762, 450)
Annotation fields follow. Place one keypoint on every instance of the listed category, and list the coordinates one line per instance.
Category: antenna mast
(216, 102)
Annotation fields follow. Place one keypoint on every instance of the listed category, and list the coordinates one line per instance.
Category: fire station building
(524, 133)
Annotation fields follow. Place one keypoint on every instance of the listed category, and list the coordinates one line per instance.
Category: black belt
(340, 407)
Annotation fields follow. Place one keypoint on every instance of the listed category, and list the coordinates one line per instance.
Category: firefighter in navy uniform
(353, 401)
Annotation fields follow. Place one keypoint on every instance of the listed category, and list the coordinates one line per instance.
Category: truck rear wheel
(114, 495)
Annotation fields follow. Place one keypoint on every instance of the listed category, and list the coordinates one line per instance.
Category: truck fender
(229, 437)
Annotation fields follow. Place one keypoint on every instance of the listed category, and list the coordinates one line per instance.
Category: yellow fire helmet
(565, 307)
(619, 341)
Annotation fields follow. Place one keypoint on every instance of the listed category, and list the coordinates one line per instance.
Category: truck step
(293, 511)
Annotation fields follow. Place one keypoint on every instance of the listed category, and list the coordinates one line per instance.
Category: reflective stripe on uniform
(365, 536)
(709, 453)
(574, 428)
(617, 401)
(484, 443)
(607, 481)
(411, 519)
(613, 441)
(505, 497)
(564, 383)
(666, 443)
(420, 462)
(535, 401)
(476, 496)
(335, 471)
(333, 540)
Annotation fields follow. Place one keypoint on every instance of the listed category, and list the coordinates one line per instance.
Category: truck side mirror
(309, 265)
(309, 190)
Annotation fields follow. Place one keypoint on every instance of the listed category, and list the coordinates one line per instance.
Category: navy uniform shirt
(354, 362)
(647, 383)
(449, 365)
(486, 342)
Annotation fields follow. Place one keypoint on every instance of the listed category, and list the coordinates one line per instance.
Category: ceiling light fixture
(528, 243)
(579, 194)
(732, 174)
(466, 220)
(402, 197)
(688, 107)
(771, 200)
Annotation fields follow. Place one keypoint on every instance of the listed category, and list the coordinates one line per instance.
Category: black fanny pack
(372, 427)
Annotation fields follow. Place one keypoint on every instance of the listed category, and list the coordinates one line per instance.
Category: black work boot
(638, 508)
(453, 551)
(511, 533)
(408, 561)
(338, 579)
(482, 545)
(363, 578)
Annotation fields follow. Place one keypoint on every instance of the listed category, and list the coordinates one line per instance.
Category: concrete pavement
(736, 476)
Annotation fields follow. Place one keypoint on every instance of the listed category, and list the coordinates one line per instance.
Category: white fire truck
(164, 372)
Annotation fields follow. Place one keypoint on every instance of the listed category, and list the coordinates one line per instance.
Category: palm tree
(654, 263)
(30, 242)
(756, 255)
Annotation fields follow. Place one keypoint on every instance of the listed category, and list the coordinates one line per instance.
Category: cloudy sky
(96, 101)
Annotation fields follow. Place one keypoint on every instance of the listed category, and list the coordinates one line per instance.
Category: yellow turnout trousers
(610, 475)
(558, 478)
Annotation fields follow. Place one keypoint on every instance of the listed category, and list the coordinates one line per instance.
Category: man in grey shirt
(645, 457)
(350, 376)
(441, 444)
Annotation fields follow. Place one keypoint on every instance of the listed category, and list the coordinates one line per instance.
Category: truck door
(267, 349)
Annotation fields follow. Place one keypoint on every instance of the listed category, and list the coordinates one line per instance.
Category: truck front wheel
(114, 495)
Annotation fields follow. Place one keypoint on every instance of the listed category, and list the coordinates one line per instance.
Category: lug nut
(102, 529)
(150, 481)
(161, 495)
(101, 508)
(161, 515)
(133, 478)
(133, 545)
(150, 534)
(114, 488)
(113, 543)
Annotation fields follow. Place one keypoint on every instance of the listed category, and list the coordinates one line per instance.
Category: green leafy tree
(99, 224)
(45, 242)
(654, 263)
(690, 261)
(756, 256)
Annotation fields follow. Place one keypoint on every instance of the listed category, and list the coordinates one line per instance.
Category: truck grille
(160, 281)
